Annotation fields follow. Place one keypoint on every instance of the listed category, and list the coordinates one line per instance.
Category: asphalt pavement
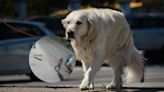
(154, 82)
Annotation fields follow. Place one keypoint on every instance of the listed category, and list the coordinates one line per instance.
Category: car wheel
(154, 57)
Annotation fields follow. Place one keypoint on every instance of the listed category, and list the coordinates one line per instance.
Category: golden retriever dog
(101, 36)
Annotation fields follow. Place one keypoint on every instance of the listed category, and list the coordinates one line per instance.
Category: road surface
(154, 82)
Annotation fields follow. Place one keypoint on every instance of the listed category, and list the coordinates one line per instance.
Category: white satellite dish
(50, 60)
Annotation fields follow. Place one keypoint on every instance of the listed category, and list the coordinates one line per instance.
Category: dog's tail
(135, 67)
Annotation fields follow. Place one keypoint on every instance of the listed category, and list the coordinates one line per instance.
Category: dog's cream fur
(103, 35)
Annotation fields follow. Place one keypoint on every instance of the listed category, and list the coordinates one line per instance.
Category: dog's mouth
(69, 36)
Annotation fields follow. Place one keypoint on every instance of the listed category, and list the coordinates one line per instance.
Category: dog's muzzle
(69, 35)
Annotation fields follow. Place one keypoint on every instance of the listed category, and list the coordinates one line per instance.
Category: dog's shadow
(143, 89)
(127, 89)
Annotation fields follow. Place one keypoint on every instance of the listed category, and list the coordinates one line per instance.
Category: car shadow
(18, 81)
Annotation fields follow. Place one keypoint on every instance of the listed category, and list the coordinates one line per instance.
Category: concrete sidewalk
(154, 82)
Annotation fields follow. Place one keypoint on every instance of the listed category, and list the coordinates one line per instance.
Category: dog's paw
(113, 86)
(86, 87)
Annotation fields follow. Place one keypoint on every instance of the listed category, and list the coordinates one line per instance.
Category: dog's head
(76, 24)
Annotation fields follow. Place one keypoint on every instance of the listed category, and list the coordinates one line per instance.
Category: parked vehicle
(148, 31)
(148, 34)
(52, 23)
(15, 46)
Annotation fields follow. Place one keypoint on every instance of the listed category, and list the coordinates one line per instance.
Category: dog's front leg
(118, 70)
(90, 73)
(85, 66)
(117, 81)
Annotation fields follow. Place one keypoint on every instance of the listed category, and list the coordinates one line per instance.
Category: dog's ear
(64, 22)
(90, 23)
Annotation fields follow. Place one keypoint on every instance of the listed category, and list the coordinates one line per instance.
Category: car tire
(154, 57)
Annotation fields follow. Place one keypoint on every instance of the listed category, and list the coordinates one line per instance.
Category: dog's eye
(68, 22)
(78, 22)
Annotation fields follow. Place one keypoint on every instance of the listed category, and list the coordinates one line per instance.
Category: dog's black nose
(70, 34)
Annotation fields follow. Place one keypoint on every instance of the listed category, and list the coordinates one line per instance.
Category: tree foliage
(34, 7)
(6, 8)
(100, 3)
(45, 7)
